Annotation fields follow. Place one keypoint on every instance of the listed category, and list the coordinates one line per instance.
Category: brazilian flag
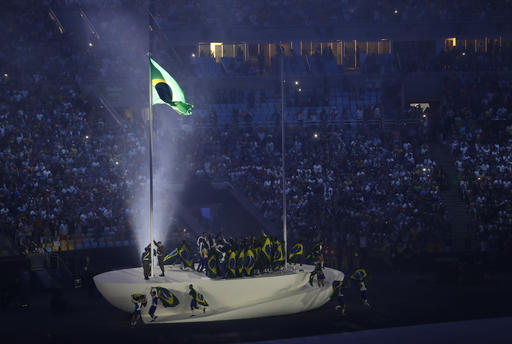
(240, 263)
(167, 91)
(267, 249)
(278, 253)
(167, 297)
(201, 300)
(359, 275)
(141, 298)
(231, 263)
(185, 256)
(171, 257)
(249, 262)
(315, 253)
(296, 253)
(212, 265)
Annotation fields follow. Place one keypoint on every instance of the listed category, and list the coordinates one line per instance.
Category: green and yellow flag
(185, 255)
(232, 264)
(297, 252)
(249, 262)
(167, 91)
(278, 253)
(212, 265)
(240, 263)
(359, 275)
(167, 298)
(267, 249)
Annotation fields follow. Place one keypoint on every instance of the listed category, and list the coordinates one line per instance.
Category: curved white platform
(277, 293)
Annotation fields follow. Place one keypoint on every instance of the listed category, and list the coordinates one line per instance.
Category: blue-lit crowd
(67, 166)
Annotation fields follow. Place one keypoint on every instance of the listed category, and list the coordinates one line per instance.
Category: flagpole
(150, 113)
(282, 161)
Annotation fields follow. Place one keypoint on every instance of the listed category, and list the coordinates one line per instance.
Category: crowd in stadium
(475, 109)
(64, 163)
(387, 184)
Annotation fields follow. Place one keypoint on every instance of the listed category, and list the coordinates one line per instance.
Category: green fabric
(167, 91)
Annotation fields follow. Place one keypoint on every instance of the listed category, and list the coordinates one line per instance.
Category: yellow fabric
(157, 81)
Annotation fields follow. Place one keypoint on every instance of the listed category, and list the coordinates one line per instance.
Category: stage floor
(276, 293)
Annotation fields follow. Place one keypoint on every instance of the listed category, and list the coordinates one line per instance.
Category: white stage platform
(270, 294)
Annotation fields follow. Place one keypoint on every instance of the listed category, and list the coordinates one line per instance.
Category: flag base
(276, 293)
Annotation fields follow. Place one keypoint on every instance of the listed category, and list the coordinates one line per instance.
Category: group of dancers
(248, 256)
(166, 298)
(224, 258)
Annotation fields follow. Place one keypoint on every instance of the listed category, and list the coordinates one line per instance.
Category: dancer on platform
(318, 272)
(361, 276)
(221, 258)
(197, 298)
(154, 304)
(337, 292)
(160, 253)
(139, 301)
(278, 256)
(267, 252)
(203, 246)
(146, 262)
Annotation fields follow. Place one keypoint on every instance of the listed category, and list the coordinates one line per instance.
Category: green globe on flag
(167, 91)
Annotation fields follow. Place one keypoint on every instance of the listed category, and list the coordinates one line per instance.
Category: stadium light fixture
(6, 75)
(87, 137)
(193, 55)
(300, 90)
(296, 82)
(90, 44)
(315, 135)
(117, 162)
(396, 11)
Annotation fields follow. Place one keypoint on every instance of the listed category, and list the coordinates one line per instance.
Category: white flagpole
(282, 160)
(151, 238)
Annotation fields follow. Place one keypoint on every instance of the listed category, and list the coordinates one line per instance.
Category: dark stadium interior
(398, 150)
